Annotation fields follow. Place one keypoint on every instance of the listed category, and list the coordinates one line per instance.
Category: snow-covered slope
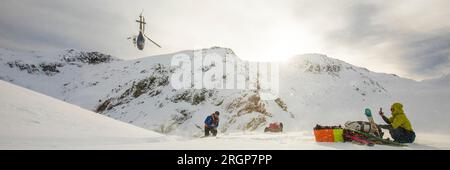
(314, 89)
(442, 81)
(29, 120)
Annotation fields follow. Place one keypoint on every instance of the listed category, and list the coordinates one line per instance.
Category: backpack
(274, 127)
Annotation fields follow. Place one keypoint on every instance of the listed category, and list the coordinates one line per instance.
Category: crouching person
(398, 125)
(211, 124)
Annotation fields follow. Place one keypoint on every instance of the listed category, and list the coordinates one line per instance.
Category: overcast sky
(410, 38)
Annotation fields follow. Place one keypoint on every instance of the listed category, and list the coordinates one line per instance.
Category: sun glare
(286, 42)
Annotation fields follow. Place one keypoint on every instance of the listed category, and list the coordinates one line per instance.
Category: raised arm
(384, 117)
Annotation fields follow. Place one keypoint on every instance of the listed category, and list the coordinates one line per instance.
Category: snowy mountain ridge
(444, 80)
(314, 89)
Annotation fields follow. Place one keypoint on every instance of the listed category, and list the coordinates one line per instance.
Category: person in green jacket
(398, 125)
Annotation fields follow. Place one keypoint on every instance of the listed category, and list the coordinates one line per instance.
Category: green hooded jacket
(399, 118)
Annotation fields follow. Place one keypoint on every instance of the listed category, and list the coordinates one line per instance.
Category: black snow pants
(400, 135)
(213, 130)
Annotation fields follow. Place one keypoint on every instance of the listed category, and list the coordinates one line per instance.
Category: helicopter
(139, 40)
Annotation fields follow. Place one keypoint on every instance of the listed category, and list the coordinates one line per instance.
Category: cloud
(410, 39)
(429, 53)
(407, 39)
(361, 26)
(58, 24)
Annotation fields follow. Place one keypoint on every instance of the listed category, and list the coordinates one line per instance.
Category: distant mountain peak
(87, 57)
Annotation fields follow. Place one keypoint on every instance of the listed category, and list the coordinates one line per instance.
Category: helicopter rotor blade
(152, 41)
(143, 24)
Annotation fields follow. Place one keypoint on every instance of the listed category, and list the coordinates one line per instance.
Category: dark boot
(207, 131)
(214, 131)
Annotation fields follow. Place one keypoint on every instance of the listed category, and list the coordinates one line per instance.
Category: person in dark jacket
(211, 123)
(398, 125)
